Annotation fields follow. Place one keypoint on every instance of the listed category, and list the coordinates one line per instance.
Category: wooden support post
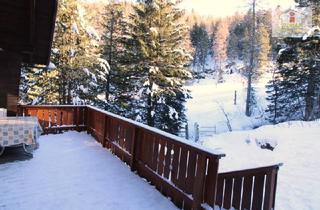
(87, 120)
(134, 147)
(76, 118)
(199, 182)
(105, 131)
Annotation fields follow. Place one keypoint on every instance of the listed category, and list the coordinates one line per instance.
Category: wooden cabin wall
(10, 70)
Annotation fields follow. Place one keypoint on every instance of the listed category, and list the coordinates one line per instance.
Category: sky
(220, 8)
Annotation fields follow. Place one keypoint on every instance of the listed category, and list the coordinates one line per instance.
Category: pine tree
(76, 56)
(238, 41)
(220, 47)
(114, 28)
(295, 91)
(201, 42)
(315, 5)
(264, 49)
(38, 86)
(157, 64)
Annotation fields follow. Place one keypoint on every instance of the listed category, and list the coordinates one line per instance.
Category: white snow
(55, 50)
(51, 66)
(104, 65)
(297, 146)
(74, 28)
(83, 89)
(72, 52)
(154, 31)
(86, 71)
(72, 171)
(173, 113)
(210, 100)
(312, 32)
(92, 32)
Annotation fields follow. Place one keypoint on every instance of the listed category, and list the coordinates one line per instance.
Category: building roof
(27, 27)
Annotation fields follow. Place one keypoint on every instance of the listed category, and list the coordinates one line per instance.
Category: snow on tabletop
(72, 171)
(297, 146)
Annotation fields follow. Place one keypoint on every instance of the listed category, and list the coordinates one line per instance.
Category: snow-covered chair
(3, 112)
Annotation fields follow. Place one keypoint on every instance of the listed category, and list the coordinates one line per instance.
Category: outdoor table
(15, 131)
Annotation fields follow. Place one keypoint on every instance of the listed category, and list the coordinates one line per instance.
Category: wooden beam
(32, 27)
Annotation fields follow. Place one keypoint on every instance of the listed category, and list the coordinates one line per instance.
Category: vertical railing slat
(211, 181)
(237, 186)
(258, 191)
(247, 192)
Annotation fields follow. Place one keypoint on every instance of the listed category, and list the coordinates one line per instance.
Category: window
(292, 17)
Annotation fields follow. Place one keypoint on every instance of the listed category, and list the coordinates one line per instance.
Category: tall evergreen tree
(75, 54)
(158, 64)
(220, 47)
(294, 92)
(264, 49)
(114, 26)
(238, 40)
(315, 5)
(201, 42)
(39, 86)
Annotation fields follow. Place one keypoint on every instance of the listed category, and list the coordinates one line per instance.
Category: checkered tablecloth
(18, 130)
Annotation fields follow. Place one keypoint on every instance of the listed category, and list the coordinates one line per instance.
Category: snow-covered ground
(297, 146)
(210, 100)
(72, 171)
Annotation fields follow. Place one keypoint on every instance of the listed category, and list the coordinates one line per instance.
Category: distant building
(293, 22)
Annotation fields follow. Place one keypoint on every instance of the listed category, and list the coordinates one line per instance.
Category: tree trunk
(69, 97)
(150, 109)
(310, 97)
(110, 56)
(251, 67)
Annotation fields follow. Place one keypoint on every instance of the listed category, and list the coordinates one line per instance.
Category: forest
(134, 58)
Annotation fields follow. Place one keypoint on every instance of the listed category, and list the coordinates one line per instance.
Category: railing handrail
(51, 106)
(140, 125)
(250, 170)
(160, 132)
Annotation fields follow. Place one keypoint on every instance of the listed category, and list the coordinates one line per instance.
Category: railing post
(105, 129)
(19, 110)
(199, 182)
(76, 118)
(270, 190)
(134, 147)
(87, 120)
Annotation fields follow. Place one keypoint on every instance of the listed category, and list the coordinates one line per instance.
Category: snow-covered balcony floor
(72, 171)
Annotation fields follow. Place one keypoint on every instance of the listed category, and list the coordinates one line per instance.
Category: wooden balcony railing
(248, 189)
(55, 119)
(179, 169)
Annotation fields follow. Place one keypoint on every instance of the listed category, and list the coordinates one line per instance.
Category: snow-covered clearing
(72, 171)
(297, 146)
(210, 100)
